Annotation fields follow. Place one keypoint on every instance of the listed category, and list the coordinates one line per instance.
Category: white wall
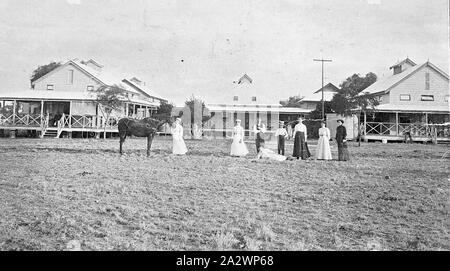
(415, 86)
(59, 80)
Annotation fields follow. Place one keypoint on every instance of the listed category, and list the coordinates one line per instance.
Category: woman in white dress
(269, 154)
(238, 147)
(179, 147)
(323, 151)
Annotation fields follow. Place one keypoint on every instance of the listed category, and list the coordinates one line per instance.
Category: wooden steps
(50, 133)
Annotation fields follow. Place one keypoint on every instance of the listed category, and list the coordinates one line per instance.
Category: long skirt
(179, 147)
(323, 151)
(238, 149)
(343, 154)
(258, 141)
(300, 146)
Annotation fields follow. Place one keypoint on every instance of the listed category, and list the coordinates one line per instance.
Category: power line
(323, 101)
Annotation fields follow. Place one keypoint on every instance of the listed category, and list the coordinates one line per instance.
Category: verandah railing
(400, 129)
(29, 120)
(66, 121)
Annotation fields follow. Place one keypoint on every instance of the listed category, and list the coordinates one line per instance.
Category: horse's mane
(158, 123)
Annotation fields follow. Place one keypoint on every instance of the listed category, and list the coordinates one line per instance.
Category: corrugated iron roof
(386, 83)
(413, 108)
(317, 97)
(259, 108)
(39, 95)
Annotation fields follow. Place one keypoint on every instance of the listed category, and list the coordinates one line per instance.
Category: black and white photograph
(240, 126)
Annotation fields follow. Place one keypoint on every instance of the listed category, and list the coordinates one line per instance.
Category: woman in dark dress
(300, 136)
(341, 134)
(259, 129)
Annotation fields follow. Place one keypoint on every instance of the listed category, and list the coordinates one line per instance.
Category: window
(254, 99)
(446, 98)
(427, 98)
(427, 81)
(235, 98)
(50, 87)
(90, 88)
(405, 97)
(70, 77)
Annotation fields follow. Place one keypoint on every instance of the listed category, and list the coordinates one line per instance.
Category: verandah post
(70, 115)
(14, 112)
(42, 111)
(396, 124)
(365, 127)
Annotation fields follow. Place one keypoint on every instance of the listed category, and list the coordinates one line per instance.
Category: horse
(146, 127)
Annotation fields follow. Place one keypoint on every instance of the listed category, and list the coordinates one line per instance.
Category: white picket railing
(399, 129)
(22, 120)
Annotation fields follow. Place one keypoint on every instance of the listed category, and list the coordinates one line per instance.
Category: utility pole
(323, 101)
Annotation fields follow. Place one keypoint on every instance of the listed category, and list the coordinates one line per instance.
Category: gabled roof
(245, 77)
(384, 85)
(70, 62)
(142, 89)
(407, 60)
(100, 75)
(317, 97)
(328, 88)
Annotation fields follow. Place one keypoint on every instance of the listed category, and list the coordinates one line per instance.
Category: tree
(109, 99)
(43, 70)
(198, 116)
(165, 108)
(317, 113)
(350, 97)
(293, 101)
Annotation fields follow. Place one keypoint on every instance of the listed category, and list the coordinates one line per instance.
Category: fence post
(14, 113)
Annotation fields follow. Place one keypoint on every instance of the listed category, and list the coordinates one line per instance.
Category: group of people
(300, 135)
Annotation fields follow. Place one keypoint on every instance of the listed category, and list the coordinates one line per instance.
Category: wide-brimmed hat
(238, 120)
(340, 120)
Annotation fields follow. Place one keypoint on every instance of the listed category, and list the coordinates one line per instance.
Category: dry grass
(80, 194)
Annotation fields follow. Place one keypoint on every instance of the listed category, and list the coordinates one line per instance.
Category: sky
(199, 47)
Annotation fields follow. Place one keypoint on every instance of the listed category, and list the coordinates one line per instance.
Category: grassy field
(74, 193)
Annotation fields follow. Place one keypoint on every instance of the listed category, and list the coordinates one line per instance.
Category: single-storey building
(246, 103)
(310, 102)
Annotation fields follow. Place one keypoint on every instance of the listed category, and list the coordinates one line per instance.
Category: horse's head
(164, 118)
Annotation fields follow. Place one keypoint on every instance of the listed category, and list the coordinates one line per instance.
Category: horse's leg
(122, 139)
(149, 143)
